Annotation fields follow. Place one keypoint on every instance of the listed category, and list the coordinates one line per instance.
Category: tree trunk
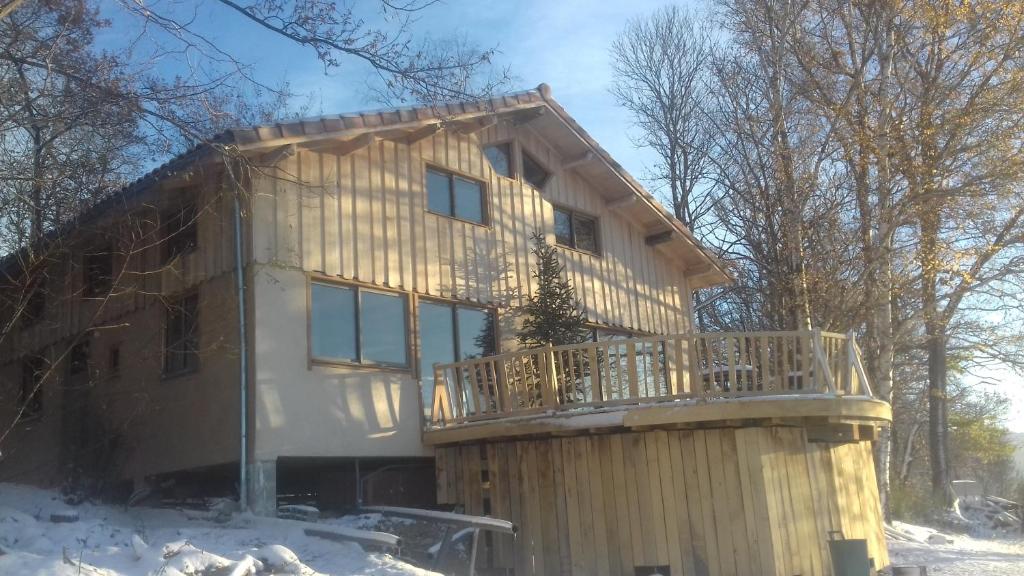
(935, 333)
(938, 416)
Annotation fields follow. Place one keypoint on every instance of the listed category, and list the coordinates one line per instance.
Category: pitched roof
(339, 126)
(304, 131)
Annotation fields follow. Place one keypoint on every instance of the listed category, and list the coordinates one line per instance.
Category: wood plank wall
(362, 216)
(729, 502)
(144, 279)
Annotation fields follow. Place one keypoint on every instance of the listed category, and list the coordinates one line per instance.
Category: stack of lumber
(993, 512)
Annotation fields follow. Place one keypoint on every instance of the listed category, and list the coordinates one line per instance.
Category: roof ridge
(542, 90)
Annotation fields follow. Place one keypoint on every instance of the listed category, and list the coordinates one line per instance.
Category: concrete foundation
(262, 487)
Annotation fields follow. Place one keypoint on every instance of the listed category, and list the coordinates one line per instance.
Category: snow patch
(114, 541)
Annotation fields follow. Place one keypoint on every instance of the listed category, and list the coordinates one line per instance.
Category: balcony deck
(809, 378)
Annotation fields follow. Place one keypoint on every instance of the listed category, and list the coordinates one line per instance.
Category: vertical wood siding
(143, 279)
(740, 502)
(363, 216)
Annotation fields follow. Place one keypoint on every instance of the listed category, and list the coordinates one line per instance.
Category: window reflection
(349, 324)
(500, 157)
(449, 333)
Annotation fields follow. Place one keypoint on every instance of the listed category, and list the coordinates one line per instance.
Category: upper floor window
(353, 324)
(575, 230)
(30, 396)
(500, 157)
(533, 172)
(452, 195)
(179, 231)
(98, 266)
(34, 306)
(78, 359)
(181, 336)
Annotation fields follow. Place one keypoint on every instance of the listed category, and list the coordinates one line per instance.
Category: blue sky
(561, 42)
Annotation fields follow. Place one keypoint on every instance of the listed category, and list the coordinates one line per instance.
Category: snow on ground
(142, 542)
(993, 555)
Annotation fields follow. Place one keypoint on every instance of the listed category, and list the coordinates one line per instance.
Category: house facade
(369, 247)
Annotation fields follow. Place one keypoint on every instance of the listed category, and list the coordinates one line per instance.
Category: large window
(180, 232)
(352, 324)
(30, 397)
(181, 336)
(99, 272)
(34, 308)
(500, 157)
(455, 196)
(78, 365)
(533, 172)
(575, 230)
(449, 333)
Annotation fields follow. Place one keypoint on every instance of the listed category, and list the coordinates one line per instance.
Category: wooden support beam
(659, 238)
(176, 180)
(528, 115)
(421, 133)
(833, 433)
(276, 155)
(621, 202)
(342, 147)
(471, 126)
(586, 158)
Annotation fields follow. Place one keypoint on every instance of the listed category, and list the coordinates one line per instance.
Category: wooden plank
(521, 547)
(795, 544)
(730, 357)
(602, 540)
(819, 503)
(562, 512)
(707, 499)
(634, 391)
(686, 537)
(605, 462)
(742, 544)
(658, 443)
(532, 505)
(548, 505)
(626, 542)
(720, 503)
(750, 459)
(595, 375)
(586, 514)
(498, 476)
(637, 534)
(656, 520)
(771, 465)
(577, 545)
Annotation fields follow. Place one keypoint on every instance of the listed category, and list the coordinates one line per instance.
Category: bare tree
(662, 66)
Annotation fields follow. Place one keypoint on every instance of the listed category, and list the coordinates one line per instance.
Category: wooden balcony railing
(645, 370)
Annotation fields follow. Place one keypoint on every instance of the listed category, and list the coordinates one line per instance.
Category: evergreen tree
(553, 314)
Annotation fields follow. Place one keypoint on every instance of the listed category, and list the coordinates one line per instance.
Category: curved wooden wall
(723, 502)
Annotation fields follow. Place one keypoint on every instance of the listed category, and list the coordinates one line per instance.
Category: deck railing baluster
(692, 365)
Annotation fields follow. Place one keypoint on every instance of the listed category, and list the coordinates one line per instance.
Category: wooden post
(634, 386)
(822, 363)
(596, 391)
(696, 379)
(549, 377)
(849, 363)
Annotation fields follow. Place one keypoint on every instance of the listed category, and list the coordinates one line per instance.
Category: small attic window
(500, 157)
(533, 173)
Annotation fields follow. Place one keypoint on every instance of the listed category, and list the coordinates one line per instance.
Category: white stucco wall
(321, 411)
